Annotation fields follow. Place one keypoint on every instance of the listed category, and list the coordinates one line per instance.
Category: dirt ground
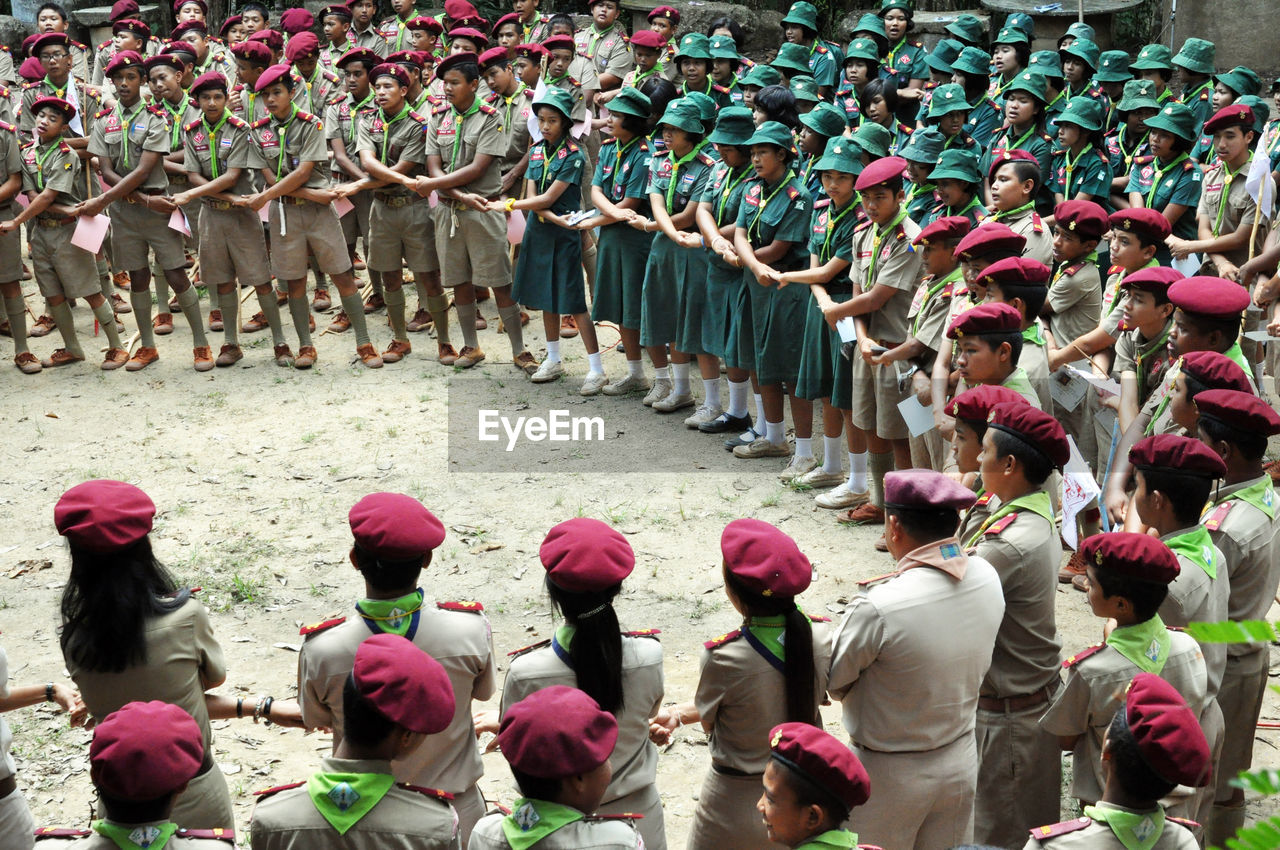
(253, 469)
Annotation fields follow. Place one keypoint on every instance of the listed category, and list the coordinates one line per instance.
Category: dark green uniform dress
(675, 278)
(622, 172)
(549, 273)
(1035, 142)
(1164, 183)
(1090, 172)
(922, 201)
(905, 62)
(778, 212)
(974, 211)
(824, 372)
(984, 120)
(1123, 149)
(725, 188)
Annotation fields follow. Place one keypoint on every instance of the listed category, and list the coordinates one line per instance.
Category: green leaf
(1264, 782)
(1264, 835)
(1231, 631)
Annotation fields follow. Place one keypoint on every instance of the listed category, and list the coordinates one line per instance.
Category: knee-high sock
(16, 309)
(301, 314)
(107, 321)
(141, 302)
(162, 288)
(229, 303)
(354, 308)
(438, 307)
(375, 278)
(67, 327)
(511, 324)
(395, 312)
(104, 278)
(467, 321)
(270, 309)
(879, 464)
(189, 301)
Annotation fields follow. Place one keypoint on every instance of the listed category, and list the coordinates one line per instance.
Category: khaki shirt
(404, 819)
(577, 91)
(610, 51)
(1249, 541)
(88, 102)
(460, 640)
(897, 265)
(1196, 598)
(634, 758)
(1034, 360)
(929, 320)
(60, 171)
(1240, 210)
(319, 91)
(230, 143)
(1075, 296)
(741, 697)
(220, 60)
(147, 130)
(303, 137)
(369, 38)
(587, 834)
(1039, 241)
(403, 143)
(886, 653)
(1084, 834)
(515, 113)
(974, 517)
(459, 139)
(340, 123)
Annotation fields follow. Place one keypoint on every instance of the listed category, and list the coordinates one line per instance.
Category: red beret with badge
(296, 20)
(363, 55)
(584, 555)
(406, 685)
(557, 732)
(473, 35)
(163, 60)
(394, 527)
(1210, 296)
(924, 489)
(825, 760)
(1035, 428)
(303, 44)
(104, 515)
(200, 4)
(1154, 279)
(425, 23)
(1138, 556)
(1015, 271)
(880, 171)
(494, 56)
(49, 39)
(509, 18)
(1006, 157)
(974, 405)
(454, 60)
(1216, 371)
(1086, 219)
(188, 26)
(271, 76)
(123, 59)
(1235, 115)
(392, 70)
(338, 10)
(65, 107)
(990, 237)
(951, 228)
(647, 38)
(1167, 732)
(533, 52)
(254, 52)
(559, 42)
(991, 317)
(209, 81)
(1243, 411)
(1179, 455)
(131, 25)
(765, 558)
(270, 38)
(1150, 225)
(669, 12)
(145, 751)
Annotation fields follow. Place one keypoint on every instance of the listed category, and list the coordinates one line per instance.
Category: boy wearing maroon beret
(812, 783)
(969, 411)
(988, 343)
(1023, 283)
(1014, 180)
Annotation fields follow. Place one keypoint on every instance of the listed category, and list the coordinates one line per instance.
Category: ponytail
(798, 669)
(595, 653)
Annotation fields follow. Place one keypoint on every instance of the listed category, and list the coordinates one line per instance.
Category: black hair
(924, 524)
(1145, 596)
(470, 70)
(893, 184)
(362, 723)
(537, 787)
(252, 6)
(810, 793)
(1036, 465)
(1181, 145)
(386, 575)
(1021, 52)
(879, 88)
(1250, 444)
(136, 811)
(1014, 338)
(778, 104)
(1228, 327)
(798, 668)
(1165, 74)
(106, 604)
(1187, 494)
(1022, 172)
(660, 92)
(560, 18)
(595, 653)
(734, 28)
(53, 7)
(634, 124)
(1129, 768)
(708, 64)
(1033, 297)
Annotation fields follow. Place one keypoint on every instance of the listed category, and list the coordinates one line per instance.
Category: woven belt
(150, 192)
(53, 222)
(215, 204)
(725, 770)
(7, 786)
(394, 202)
(1008, 705)
(293, 202)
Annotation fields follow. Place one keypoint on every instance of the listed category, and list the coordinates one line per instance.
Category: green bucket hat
(1033, 83)
(804, 14)
(1261, 112)
(946, 99)
(908, 6)
(558, 99)
(724, 47)
(942, 55)
(1083, 49)
(694, 45)
(1138, 94)
(761, 75)
(1176, 118)
(825, 119)
(631, 101)
(1113, 67)
(973, 62)
(841, 155)
(1079, 29)
(793, 58)
(1012, 35)
(682, 114)
(863, 48)
(773, 133)
(733, 126)
(1022, 21)
(1196, 55)
(1083, 112)
(957, 164)
(873, 138)
(805, 88)
(1241, 80)
(706, 107)
(873, 25)
(1047, 62)
(967, 28)
(1153, 57)
(924, 146)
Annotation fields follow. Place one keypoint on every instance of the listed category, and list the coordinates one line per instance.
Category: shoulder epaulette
(317, 628)
(1187, 822)
(822, 204)
(492, 97)
(329, 75)
(188, 127)
(816, 618)
(60, 832)
(618, 816)
(649, 633)
(63, 147)
(792, 193)
(1036, 223)
(471, 607)
(1113, 269)
(1083, 654)
(106, 44)
(1188, 165)
(1143, 160)
(6, 126)
(1214, 522)
(870, 847)
(719, 88)
(821, 48)
(572, 146)
(101, 113)
(863, 226)
(261, 122)
(217, 834)
(727, 637)
(1047, 137)
(917, 44)
(487, 109)
(1204, 95)
(573, 80)
(1002, 523)
(705, 158)
(1073, 268)
(439, 108)
(1054, 830)
(307, 116)
(530, 648)
(237, 121)
(417, 116)
(276, 790)
(31, 85)
(155, 110)
(434, 793)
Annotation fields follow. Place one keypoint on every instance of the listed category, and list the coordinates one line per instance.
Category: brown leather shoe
(60, 357)
(358, 263)
(203, 357)
(863, 514)
(306, 357)
(568, 326)
(1081, 583)
(446, 354)
(320, 301)
(420, 322)
(340, 324)
(469, 357)
(42, 326)
(396, 351)
(116, 357)
(282, 298)
(121, 280)
(525, 362)
(119, 305)
(141, 359)
(374, 302)
(215, 320)
(162, 324)
(254, 323)
(229, 355)
(311, 323)
(174, 306)
(369, 356)
(481, 322)
(1075, 566)
(283, 355)
(28, 363)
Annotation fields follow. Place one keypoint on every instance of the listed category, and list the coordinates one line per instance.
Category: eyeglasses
(53, 57)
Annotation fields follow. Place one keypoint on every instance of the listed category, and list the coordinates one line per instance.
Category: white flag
(1259, 183)
(534, 133)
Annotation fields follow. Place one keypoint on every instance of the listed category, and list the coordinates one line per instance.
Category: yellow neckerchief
(1227, 176)
(824, 254)
(386, 128)
(880, 234)
(459, 117)
(755, 222)
(213, 142)
(1160, 173)
(1071, 166)
(125, 121)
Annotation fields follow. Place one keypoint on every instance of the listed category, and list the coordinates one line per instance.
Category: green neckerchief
(893, 54)
(564, 636)
(973, 202)
(1070, 166)
(1115, 292)
(548, 157)
(343, 798)
(1163, 96)
(531, 821)
(355, 114)
(1160, 173)
(1135, 830)
(283, 130)
(175, 115)
(213, 142)
(1033, 335)
(706, 91)
(1037, 502)
(40, 160)
(825, 254)
(1191, 95)
(835, 838)
(1227, 176)
(1018, 380)
(1145, 644)
(1017, 146)
(393, 616)
(1132, 152)
(1235, 355)
(998, 215)
(59, 93)
(676, 162)
(769, 631)
(1261, 495)
(459, 117)
(753, 227)
(641, 76)
(152, 837)
(918, 189)
(126, 121)
(1153, 348)
(954, 276)
(1196, 545)
(1050, 104)
(509, 102)
(593, 38)
(386, 129)
(880, 234)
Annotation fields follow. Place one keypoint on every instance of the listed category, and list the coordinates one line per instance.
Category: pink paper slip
(89, 233)
(342, 206)
(265, 212)
(178, 222)
(515, 227)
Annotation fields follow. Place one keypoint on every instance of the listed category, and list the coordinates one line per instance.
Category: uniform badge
(343, 796)
(396, 618)
(777, 736)
(949, 550)
(526, 817)
(144, 836)
(1144, 829)
(1153, 651)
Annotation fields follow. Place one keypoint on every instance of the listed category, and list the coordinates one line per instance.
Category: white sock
(738, 391)
(711, 392)
(553, 350)
(804, 446)
(831, 447)
(594, 364)
(635, 368)
(680, 386)
(663, 374)
(773, 431)
(759, 409)
(858, 472)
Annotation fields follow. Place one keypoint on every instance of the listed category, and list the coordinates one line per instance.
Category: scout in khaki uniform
(394, 29)
(988, 344)
(1018, 762)
(1022, 283)
(210, 56)
(1152, 745)
(514, 102)
(605, 43)
(919, 754)
(290, 153)
(395, 697)
(322, 85)
(1014, 178)
(216, 158)
(558, 742)
(131, 141)
(336, 21)
(811, 785)
(52, 17)
(394, 539)
(51, 174)
(140, 39)
(970, 410)
(252, 58)
(1242, 523)
(363, 33)
(53, 50)
(1129, 576)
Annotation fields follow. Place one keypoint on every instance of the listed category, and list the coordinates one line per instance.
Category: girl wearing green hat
(959, 188)
(1024, 117)
(969, 71)
(1080, 169)
(1167, 179)
(1129, 139)
(1227, 89)
(1079, 63)
(861, 66)
(1009, 57)
(904, 63)
(695, 64)
(880, 105)
(817, 126)
(800, 28)
(949, 113)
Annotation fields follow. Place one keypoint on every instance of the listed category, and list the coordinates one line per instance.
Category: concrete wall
(1243, 30)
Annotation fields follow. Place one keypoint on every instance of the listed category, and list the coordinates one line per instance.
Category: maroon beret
(300, 45)
(1034, 427)
(410, 60)
(764, 558)
(494, 56)
(231, 21)
(1126, 553)
(647, 38)
(474, 22)
(145, 751)
(825, 760)
(456, 9)
(474, 35)
(975, 404)
(178, 4)
(363, 55)
(1235, 115)
(1015, 271)
(274, 74)
(296, 20)
(557, 732)
(25, 48)
(1241, 410)
(509, 18)
(394, 526)
(1216, 371)
(949, 228)
(990, 317)
(1181, 455)
(559, 42)
(532, 52)
(880, 171)
(585, 555)
(1167, 732)
(339, 11)
(405, 685)
(927, 490)
(453, 60)
(990, 237)
(32, 69)
(123, 9)
(104, 515)
(163, 60)
(209, 81)
(68, 111)
(270, 38)
(666, 12)
(184, 50)
(1007, 156)
(424, 22)
(1150, 225)
(188, 26)
(392, 70)
(1209, 296)
(1085, 219)
(49, 39)
(123, 59)
(136, 27)
(254, 52)
(1154, 279)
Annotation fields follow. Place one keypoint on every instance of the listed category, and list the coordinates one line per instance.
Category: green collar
(830, 840)
(1033, 335)
(531, 821)
(1037, 502)
(1135, 830)
(769, 631)
(394, 616)
(344, 798)
(148, 836)
(1196, 546)
(1146, 644)
(1261, 494)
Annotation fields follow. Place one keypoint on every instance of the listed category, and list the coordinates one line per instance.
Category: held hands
(689, 240)
(1180, 248)
(1228, 271)
(181, 199)
(422, 185)
(637, 221)
(662, 726)
(8, 226)
(254, 202)
(91, 207)
(476, 202)
(487, 722)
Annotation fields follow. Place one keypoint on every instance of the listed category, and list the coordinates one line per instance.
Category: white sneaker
(593, 383)
(549, 371)
(761, 447)
(819, 480)
(626, 386)
(841, 497)
(673, 402)
(661, 389)
(704, 414)
(799, 466)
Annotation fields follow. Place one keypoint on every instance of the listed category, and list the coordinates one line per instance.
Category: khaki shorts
(401, 236)
(876, 397)
(234, 247)
(356, 223)
(309, 227)
(135, 229)
(10, 247)
(60, 267)
(476, 250)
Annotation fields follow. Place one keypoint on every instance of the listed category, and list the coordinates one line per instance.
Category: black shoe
(726, 424)
(743, 439)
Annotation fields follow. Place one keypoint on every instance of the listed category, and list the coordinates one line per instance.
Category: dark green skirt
(778, 355)
(824, 371)
(746, 325)
(549, 272)
(621, 253)
(660, 295)
(692, 289)
(723, 285)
